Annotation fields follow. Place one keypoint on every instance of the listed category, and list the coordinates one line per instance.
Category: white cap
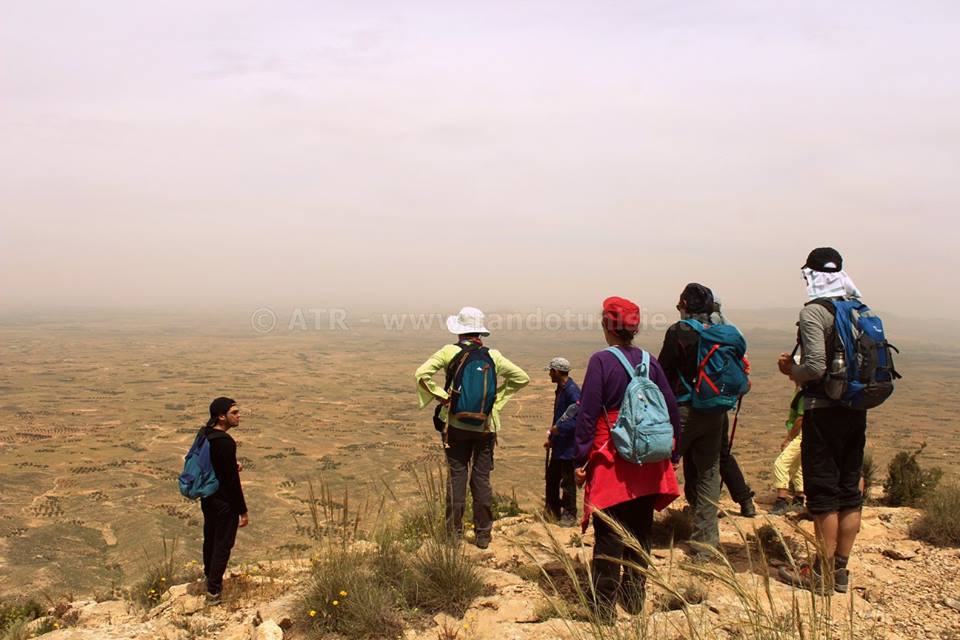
(558, 364)
(468, 320)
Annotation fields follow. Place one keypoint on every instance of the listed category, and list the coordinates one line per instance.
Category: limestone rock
(101, 614)
(269, 630)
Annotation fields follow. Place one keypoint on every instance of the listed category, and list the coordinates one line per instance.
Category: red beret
(620, 313)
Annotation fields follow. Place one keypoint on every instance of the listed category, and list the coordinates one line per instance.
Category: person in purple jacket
(626, 492)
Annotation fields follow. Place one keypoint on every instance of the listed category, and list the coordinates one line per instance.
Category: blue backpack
(869, 357)
(643, 432)
(473, 388)
(721, 368)
(198, 479)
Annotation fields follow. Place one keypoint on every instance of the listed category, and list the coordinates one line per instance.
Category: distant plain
(96, 414)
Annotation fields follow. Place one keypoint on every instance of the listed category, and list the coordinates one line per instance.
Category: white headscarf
(821, 284)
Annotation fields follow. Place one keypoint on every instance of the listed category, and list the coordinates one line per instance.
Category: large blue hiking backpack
(721, 368)
(473, 386)
(198, 479)
(869, 374)
(643, 432)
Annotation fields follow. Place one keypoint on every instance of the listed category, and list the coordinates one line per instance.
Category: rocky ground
(902, 589)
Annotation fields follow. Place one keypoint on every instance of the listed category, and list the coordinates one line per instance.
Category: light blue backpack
(643, 432)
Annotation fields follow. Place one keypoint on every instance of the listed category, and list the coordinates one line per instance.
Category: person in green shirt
(787, 470)
(468, 447)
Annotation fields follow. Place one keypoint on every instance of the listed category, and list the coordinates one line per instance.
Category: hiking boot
(797, 504)
(568, 520)
(841, 580)
(482, 541)
(213, 599)
(805, 577)
(748, 509)
(780, 507)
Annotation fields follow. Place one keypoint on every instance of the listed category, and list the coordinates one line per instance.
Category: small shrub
(907, 482)
(505, 506)
(771, 542)
(157, 578)
(445, 578)
(940, 522)
(346, 596)
(676, 526)
(14, 616)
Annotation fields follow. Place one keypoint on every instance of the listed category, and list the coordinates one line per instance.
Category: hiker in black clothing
(225, 510)
(701, 436)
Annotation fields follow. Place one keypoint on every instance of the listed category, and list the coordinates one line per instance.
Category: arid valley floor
(96, 414)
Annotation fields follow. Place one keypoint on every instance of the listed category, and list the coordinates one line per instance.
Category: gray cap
(560, 364)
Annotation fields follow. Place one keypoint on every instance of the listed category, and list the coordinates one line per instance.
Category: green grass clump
(940, 522)
(907, 483)
(868, 472)
(14, 616)
(445, 578)
(159, 576)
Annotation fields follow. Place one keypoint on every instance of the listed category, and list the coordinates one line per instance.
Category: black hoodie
(223, 457)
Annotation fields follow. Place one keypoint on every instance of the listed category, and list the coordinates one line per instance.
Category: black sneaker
(780, 507)
(748, 509)
(797, 504)
(841, 580)
(568, 520)
(213, 598)
(482, 541)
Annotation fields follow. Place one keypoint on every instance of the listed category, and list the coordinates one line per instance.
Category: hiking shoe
(748, 509)
(780, 507)
(568, 520)
(482, 541)
(213, 598)
(841, 580)
(797, 504)
(804, 577)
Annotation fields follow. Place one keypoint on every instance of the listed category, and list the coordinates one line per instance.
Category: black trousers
(561, 488)
(700, 448)
(469, 455)
(220, 522)
(730, 474)
(831, 453)
(610, 578)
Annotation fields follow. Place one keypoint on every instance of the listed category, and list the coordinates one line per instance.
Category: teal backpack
(643, 432)
(721, 368)
(198, 479)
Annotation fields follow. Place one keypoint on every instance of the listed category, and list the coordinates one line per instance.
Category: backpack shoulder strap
(623, 360)
(825, 303)
(644, 369)
(693, 323)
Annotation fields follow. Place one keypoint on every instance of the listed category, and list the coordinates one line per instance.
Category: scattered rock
(101, 614)
(285, 623)
(188, 605)
(953, 603)
(269, 630)
(903, 550)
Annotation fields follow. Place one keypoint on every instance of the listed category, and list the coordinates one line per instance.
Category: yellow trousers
(787, 470)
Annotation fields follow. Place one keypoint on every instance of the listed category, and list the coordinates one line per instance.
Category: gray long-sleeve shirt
(816, 333)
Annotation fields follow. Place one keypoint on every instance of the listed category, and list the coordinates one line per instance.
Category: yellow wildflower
(313, 613)
(335, 602)
(343, 594)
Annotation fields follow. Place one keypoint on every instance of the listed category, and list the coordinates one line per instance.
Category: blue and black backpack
(198, 479)
(643, 432)
(473, 385)
(859, 335)
(721, 368)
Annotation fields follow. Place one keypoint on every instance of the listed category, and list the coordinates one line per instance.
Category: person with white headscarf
(834, 435)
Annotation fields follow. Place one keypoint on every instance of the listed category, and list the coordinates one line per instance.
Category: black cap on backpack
(824, 259)
(219, 407)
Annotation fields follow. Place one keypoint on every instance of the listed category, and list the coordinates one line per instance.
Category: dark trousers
(561, 488)
(730, 473)
(469, 455)
(831, 454)
(700, 448)
(220, 522)
(636, 516)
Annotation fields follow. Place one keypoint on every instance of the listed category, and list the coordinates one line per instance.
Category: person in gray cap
(561, 488)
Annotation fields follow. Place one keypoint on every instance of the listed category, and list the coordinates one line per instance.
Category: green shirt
(514, 379)
(796, 410)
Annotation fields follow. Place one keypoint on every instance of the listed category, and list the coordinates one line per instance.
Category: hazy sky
(424, 155)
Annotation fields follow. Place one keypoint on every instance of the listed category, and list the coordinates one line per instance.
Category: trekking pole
(546, 481)
(736, 416)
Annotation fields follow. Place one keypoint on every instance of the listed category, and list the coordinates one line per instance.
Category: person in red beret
(626, 492)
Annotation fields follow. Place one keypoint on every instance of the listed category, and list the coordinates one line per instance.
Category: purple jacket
(603, 386)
